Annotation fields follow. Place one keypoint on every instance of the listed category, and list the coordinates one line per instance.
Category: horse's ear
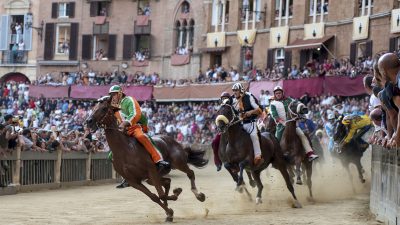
(104, 98)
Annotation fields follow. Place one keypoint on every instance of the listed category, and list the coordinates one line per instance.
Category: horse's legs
(234, 175)
(260, 186)
(241, 166)
(252, 182)
(154, 198)
(281, 166)
(166, 183)
(185, 168)
(308, 166)
(298, 173)
(360, 170)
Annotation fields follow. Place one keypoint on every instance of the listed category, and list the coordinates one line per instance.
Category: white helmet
(331, 116)
(278, 88)
(238, 86)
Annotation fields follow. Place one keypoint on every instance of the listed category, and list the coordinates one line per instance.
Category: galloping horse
(350, 152)
(237, 149)
(291, 143)
(131, 160)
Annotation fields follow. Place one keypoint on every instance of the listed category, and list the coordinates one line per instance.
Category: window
(101, 28)
(319, 3)
(217, 12)
(363, 11)
(248, 5)
(100, 46)
(361, 50)
(143, 7)
(247, 56)
(62, 10)
(62, 39)
(279, 55)
(142, 45)
(285, 4)
(99, 8)
(185, 7)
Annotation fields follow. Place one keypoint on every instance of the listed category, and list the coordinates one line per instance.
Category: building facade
(148, 35)
(20, 30)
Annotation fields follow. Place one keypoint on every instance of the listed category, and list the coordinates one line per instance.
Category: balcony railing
(14, 57)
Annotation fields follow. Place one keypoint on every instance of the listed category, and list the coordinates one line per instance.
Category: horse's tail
(196, 158)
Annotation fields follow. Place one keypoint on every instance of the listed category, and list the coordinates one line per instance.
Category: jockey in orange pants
(130, 116)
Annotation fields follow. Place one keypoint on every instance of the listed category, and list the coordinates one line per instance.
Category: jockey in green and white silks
(279, 108)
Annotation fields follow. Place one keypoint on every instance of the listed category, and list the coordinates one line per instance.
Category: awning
(301, 44)
(217, 49)
(58, 63)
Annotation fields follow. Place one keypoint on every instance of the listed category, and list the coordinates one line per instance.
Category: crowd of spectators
(214, 74)
(45, 124)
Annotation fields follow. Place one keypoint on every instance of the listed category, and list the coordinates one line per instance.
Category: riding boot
(219, 167)
(123, 184)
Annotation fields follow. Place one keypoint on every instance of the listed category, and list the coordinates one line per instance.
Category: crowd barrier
(29, 171)
(385, 184)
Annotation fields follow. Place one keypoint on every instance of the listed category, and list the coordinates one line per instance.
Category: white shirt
(373, 102)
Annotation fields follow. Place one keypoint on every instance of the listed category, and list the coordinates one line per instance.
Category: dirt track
(335, 202)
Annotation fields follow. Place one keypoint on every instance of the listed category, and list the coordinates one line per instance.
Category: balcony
(140, 28)
(14, 57)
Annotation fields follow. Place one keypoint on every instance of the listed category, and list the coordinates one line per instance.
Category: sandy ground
(335, 202)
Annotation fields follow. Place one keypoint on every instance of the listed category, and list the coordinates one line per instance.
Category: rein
(294, 116)
(235, 119)
(101, 124)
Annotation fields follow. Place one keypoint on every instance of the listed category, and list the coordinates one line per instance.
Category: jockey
(358, 126)
(131, 119)
(279, 109)
(247, 105)
(225, 96)
(329, 128)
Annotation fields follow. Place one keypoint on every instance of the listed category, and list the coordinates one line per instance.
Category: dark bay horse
(291, 144)
(133, 162)
(237, 151)
(350, 152)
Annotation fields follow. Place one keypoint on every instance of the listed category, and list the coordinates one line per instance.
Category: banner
(256, 87)
(297, 88)
(141, 93)
(246, 37)
(179, 60)
(344, 86)
(48, 91)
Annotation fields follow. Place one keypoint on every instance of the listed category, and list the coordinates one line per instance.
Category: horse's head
(297, 110)
(340, 130)
(226, 116)
(101, 114)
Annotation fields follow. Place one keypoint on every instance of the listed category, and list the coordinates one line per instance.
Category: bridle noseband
(235, 118)
(295, 116)
(101, 124)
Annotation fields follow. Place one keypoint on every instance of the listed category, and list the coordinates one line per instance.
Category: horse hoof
(177, 191)
(239, 189)
(169, 219)
(258, 200)
(170, 216)
(297, 205)
(201, 197)
(362, 180)
(299, 182)
(253, 183)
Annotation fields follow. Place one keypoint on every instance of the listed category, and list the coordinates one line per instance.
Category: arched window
(177, 33)
(185, 7)
(191, 33)
(184, 34)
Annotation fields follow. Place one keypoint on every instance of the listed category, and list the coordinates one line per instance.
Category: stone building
(178, 38)
(20, 30)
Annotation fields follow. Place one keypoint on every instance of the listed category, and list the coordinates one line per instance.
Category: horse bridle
(234, 116)
(100, 123)
(291, 113)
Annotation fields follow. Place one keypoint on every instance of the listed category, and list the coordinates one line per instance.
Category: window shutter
(87, 47)
(4, 28)
(71, 10)
(127, 47)
(288, 59)
(112, 44)
(27, 35)
(353, 53)
(392, 44)
(93, 9)
(303, 59)
(368, 50)
(270, 58)
(54, 10)
(49, 41)
(73, 41)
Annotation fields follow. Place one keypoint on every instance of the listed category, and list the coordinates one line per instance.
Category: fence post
(17, 168)
(57, 166)
(88, 166)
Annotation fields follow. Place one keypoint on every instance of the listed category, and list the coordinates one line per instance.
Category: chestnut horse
(236, 151)
(133, 162)
(291, 144)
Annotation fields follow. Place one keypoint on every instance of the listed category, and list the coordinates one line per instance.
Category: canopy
(301, 44)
